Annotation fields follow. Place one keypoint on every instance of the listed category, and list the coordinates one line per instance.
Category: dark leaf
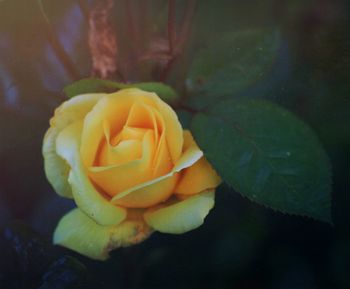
(232, 64)
(184, 118)
(92, 85)
(268, 155)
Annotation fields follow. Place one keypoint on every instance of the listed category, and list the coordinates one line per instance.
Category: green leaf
(185, 118)
(231, 64)
(164, 91)
(93, 85)
(268, 155)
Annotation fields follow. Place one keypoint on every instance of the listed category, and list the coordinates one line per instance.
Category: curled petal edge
(87, 198)
(181, 216)
(80, 233)
(56, 168)
(190, 156)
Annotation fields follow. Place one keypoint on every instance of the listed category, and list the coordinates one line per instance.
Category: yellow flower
(130, 168)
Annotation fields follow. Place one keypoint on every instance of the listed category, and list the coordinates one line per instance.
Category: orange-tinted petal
(197, 178)
(113, 108)
(190, 156)
(149, 195)
(173, 129)
(162, 162)
(117, 178)
(191, 152)
(142, 116)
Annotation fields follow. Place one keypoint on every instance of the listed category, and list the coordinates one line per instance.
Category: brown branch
(103, 41)
(57, 47)
(172, 25)
(84, 7)
(181, 40)
(187, 24)
(144, 18)
(132, 25)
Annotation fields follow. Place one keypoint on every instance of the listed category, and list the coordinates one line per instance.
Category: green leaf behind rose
(94, 85)
(268, 155)
(231, 64)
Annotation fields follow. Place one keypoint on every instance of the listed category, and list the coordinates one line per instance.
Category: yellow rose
(130, 168)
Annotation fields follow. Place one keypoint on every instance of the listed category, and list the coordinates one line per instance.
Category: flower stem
(84, 7)
(103, 41)
(187, 24)
(177, 48)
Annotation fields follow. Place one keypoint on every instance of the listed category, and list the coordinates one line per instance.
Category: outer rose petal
(191, 153)
(85, 195)
(197, 178)
(80, 233)
(74, 109)
(182, 216)
(56, 168)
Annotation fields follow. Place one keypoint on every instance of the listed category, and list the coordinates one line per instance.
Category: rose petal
(121, 148)
(117, 178)
(74, 109)
(113, 108)
(191, 152)
(197, 178)
(126, 151)
(190, 155)
(132, 133)
(144, 116)
(162, 162)
(67, 143)
(87, 198)
(174, 133)
(80, 233)
(182, 216)
(150, 195)
(56, 168)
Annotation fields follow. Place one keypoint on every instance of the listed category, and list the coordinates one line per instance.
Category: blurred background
(45, 45)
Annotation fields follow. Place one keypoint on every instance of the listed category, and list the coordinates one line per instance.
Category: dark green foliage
(232, 63)
(268, 155)
(91, 85)
(185, 118)
(242, 244)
